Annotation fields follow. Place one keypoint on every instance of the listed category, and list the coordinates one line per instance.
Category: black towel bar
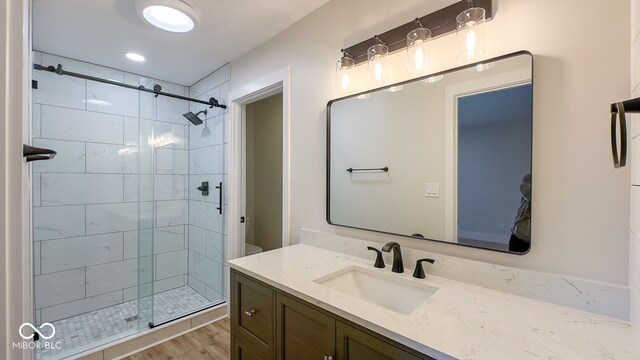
(385, 169)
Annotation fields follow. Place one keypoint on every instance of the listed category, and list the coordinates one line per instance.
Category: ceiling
(102, 31)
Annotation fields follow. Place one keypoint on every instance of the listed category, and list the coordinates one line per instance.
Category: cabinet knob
(250, 313)
(328, 357)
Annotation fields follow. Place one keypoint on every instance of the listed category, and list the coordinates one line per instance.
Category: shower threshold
(84, 332)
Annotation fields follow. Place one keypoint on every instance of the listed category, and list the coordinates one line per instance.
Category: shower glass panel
(122, 239)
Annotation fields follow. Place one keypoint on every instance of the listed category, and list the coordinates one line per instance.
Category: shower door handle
(32, 153)
(219, 187)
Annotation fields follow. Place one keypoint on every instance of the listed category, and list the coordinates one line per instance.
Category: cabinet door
(242, 351)
(252, 314)
(303, 333)
(353, 344)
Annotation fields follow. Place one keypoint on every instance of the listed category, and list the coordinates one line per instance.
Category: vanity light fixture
(344, 72)
(376, 58)
(169, 15)
(416, 37)
(135, 57)
(418, 54)
(470, 32)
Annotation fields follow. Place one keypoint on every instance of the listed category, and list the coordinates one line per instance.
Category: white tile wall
(60, 287)
(70, 157)
(111, 99)
(170, 187)
(117, 275)
(138, 187)
(168, 239)
(57, 222)
(209, 160)
(70, 189)
(72, 308)
(171, 264)
(49, 93)
(73, 253)
(174, 212)
(71, 124)
(206, 161)
(172, 161)
(112, 159)
(108, 218)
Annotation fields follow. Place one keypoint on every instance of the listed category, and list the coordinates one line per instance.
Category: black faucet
(379, 262)
(397, 267)
(419, 271)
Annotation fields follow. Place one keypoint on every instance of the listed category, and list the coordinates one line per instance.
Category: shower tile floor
(86, 331)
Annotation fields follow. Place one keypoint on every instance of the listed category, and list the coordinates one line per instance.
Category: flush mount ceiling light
(169, 15)
(134, 57)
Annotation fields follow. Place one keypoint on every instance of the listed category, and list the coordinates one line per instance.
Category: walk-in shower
(123, 240)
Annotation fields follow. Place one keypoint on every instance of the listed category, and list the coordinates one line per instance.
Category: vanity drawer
(252, 314)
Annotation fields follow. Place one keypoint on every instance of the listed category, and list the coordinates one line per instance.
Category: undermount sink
(387, 290)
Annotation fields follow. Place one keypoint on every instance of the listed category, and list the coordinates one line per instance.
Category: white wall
(634, 121)
(578, 73)
(15, 302)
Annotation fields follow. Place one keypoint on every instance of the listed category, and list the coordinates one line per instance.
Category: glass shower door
(92, 213)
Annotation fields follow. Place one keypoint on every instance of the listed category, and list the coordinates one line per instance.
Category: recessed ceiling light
(134, 57)
(170, 15)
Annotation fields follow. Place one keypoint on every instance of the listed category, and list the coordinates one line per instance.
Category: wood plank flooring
(211, 342)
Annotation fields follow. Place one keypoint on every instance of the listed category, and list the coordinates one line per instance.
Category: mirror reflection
(445, 157)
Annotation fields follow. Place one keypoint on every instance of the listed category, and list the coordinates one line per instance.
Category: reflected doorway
(494, 155)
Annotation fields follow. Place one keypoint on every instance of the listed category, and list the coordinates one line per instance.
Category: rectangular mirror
(445, 157)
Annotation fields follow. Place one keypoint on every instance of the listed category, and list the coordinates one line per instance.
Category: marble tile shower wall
(86, 201)
(208, 145)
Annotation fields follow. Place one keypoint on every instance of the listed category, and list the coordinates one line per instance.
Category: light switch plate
(432, 190)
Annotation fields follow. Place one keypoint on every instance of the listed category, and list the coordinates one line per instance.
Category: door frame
(274, 83)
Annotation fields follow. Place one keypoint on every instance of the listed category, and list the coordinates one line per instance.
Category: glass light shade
(418, 52)
(471, 33)
(377, 61)
(344, 74)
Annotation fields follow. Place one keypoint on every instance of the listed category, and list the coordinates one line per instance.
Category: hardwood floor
(211, 342)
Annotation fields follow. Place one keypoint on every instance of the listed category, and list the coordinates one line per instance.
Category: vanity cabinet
(267, 323)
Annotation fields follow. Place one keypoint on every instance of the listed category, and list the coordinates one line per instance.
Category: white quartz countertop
(459, 321)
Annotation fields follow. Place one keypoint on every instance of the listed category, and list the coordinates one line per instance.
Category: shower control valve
(204, 188)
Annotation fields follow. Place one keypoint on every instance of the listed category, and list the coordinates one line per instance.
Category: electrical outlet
(432, 190)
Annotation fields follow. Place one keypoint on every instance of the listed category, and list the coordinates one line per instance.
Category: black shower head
(195, 120)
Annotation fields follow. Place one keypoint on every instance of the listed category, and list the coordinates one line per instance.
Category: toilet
(251, 249)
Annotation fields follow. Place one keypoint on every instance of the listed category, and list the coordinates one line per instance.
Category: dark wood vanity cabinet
(269, 324)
